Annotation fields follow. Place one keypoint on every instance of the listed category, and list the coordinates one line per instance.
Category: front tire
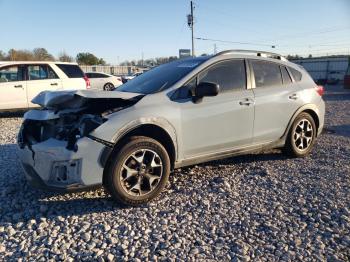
(301, 136)
(138, 172)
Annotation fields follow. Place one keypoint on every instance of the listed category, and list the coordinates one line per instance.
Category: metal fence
(320, 68)
(113, 70)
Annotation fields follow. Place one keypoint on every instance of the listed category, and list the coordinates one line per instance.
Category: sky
(118, 30)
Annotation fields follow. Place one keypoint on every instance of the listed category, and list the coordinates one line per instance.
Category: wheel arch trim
(160, 122)
(305, 108)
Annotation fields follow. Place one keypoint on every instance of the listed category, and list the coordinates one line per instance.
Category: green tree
(89, 59)
(101, 62)
(293, 57)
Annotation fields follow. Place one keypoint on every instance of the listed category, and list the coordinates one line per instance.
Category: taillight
(319, 90)
(87, 82)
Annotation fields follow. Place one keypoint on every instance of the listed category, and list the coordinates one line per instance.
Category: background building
(325, 69)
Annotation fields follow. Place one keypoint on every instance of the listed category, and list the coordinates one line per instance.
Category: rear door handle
(54, 84)
(294, 97)
(18, 86)
(246, 102)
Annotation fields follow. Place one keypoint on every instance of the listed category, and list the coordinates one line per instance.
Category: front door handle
(293, 97)
(18, 86)
(54, 84)
(246, 102)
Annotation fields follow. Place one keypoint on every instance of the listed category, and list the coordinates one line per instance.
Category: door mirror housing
(206, 89)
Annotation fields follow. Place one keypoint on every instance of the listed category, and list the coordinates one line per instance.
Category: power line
(325, 49)
(263, 23)
(311, 33)
(234, 42)
(218, 23)
(231, 15)
(330, 44)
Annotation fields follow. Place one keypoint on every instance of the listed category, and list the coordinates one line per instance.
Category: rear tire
(138, 172)
(108, 87)
(301, 136)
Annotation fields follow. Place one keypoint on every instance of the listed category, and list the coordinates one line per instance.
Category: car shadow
(338, 130)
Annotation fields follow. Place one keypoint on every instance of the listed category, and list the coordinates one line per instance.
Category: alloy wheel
(109, 87)
(141, 172)
(303, 135)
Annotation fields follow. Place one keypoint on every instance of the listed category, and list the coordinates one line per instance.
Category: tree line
(83, 58)
(41, 54)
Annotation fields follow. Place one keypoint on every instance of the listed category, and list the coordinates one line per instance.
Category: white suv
(20, 82)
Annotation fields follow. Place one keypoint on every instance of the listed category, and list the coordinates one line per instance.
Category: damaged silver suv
(177, 114)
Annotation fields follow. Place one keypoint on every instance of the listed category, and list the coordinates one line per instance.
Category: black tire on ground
(291, 146)
(108, 87)
(116, 183)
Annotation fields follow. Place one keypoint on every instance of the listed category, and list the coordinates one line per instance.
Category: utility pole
(190, 22)
(215, 49)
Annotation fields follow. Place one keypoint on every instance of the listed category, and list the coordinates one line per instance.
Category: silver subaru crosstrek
(178, 114)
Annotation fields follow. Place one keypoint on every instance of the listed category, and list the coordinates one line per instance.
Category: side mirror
(206, 89)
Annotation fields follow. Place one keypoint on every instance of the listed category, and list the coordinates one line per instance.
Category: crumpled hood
(79, 98)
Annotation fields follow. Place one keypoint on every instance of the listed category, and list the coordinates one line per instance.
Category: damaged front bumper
(50, 165)
(56, 149)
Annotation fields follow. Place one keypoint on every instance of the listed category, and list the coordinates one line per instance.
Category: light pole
(190, 23)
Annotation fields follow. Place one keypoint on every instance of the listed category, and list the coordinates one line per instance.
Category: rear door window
(285, 76)
(266, 74)
(229, 75)
(72, 71)
(41, 72)
(11, 74)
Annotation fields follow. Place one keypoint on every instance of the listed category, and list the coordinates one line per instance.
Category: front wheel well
(148, 130)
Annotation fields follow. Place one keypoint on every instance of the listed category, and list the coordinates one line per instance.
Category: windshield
(161, 77)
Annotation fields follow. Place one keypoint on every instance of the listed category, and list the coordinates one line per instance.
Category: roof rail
(257, 53)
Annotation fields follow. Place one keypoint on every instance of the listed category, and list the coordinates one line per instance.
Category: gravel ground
(256, 207)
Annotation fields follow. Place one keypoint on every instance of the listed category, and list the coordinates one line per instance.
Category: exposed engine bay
(69, 116)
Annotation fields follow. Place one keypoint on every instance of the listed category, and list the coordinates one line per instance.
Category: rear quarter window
(295, 73)
(72, 71)
(266, 74)
(285, 76)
